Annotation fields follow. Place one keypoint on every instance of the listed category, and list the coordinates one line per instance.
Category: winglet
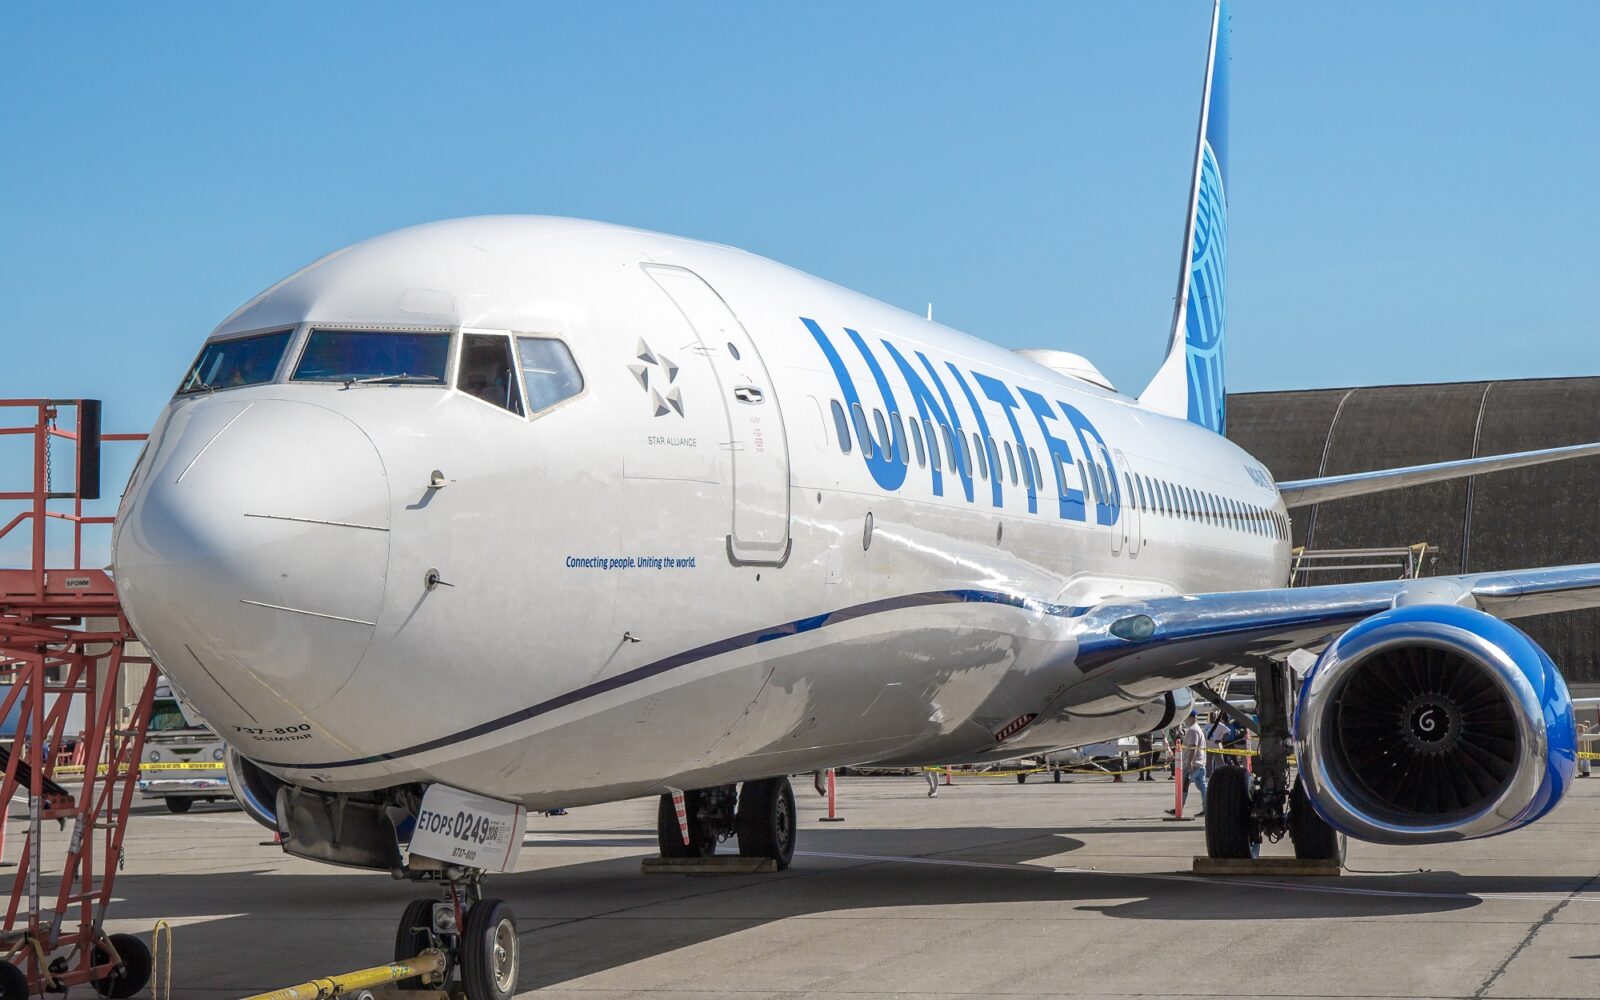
(1190, 383)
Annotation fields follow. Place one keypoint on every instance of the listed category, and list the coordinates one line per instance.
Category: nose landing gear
(478, 936)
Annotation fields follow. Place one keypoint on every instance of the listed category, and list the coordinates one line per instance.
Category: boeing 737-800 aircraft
(512, 513)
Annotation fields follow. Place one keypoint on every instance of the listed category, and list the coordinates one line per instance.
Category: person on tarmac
(932, 774)
(1147, 757)
(1194, 761)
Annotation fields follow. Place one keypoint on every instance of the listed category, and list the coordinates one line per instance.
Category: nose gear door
(759, 448)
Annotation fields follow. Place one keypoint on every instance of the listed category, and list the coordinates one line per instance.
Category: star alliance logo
(665, 374)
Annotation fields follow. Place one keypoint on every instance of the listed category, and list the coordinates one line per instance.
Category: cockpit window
(227, 364)
(548, 372)
(486, 371)
(374, 357)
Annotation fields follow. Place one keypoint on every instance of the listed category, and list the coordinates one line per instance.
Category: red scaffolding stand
(63, 637)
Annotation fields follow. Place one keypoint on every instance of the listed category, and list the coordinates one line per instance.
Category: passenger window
(994, 460)
(1061, 475)
(1027, 470)
(901, 448)
(225, 364)
(548, 372)
(966, 455)
(1011, 463)
(486, 373)
(983, 461)
(883, 439)
(841, 427)
(1133, 500)
(916, 439)
(1033, 460)
(863, 435)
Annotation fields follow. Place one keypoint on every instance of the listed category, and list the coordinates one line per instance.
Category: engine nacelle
(1434, 723)
(255, 790)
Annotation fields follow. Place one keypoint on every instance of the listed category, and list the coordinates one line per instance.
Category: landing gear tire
(1057, 776)
(13, 982)
(489, 951)
(1313, 838)
(131, 976)
(414, 936)
(766, 820)
(702, 840)
(1022, 779)
(1230, 829)
(179, 806)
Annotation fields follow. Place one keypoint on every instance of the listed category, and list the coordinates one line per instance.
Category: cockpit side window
(549, 374)
(486, 371)
(374, 357)
(228, 364)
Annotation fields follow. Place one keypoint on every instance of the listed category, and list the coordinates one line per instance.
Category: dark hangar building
(1542, 516)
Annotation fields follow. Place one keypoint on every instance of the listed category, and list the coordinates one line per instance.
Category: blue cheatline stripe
(695, 655)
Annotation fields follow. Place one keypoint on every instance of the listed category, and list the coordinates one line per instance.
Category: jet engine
(1434, 723)
(255, 790)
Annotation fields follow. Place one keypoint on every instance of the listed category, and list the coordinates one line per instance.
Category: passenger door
(759, 528)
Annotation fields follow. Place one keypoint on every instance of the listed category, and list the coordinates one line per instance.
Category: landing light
(1134, 628)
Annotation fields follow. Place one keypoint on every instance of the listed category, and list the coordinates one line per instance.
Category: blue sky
(1412, 190)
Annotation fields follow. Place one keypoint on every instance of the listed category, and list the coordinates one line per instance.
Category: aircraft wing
(1136, 649)
(1305, 492)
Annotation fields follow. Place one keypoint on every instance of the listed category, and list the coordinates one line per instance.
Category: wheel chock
(1204, 865)
(717, 864)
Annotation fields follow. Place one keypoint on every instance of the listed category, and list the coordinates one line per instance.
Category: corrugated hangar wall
(1543, 516)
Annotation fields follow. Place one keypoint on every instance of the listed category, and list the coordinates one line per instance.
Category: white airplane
(513, 513)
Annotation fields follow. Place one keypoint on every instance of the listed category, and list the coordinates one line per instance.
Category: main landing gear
(761, 814)
(478, 936)
(1245, 808)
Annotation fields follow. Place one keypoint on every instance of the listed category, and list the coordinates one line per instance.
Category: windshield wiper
(401, 379)
(196, 382)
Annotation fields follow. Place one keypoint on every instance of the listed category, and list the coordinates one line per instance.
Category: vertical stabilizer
(1190, 382)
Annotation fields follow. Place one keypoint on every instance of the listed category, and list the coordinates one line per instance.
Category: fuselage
(722, 552)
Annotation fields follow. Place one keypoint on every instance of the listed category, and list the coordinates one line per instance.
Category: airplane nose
(252, 556)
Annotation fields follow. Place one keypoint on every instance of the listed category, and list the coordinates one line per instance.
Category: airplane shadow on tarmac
(581, 919)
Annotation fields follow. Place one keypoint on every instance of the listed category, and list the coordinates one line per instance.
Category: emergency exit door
(759, 530)
(1132, 516)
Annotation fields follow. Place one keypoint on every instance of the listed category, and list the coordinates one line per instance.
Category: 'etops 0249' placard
(461, 828)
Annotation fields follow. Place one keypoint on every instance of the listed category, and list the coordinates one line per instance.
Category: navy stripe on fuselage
(696, 655)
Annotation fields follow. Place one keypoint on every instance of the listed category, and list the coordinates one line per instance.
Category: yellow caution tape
(67, 770)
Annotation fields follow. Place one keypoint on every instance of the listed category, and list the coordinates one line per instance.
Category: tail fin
(1190, 383)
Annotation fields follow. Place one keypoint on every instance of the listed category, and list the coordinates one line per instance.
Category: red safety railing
(65, 621)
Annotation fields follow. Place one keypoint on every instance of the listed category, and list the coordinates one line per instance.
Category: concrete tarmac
(991, 889)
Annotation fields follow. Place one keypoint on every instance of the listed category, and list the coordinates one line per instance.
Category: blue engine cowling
(255, 790)
(1433, 723)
